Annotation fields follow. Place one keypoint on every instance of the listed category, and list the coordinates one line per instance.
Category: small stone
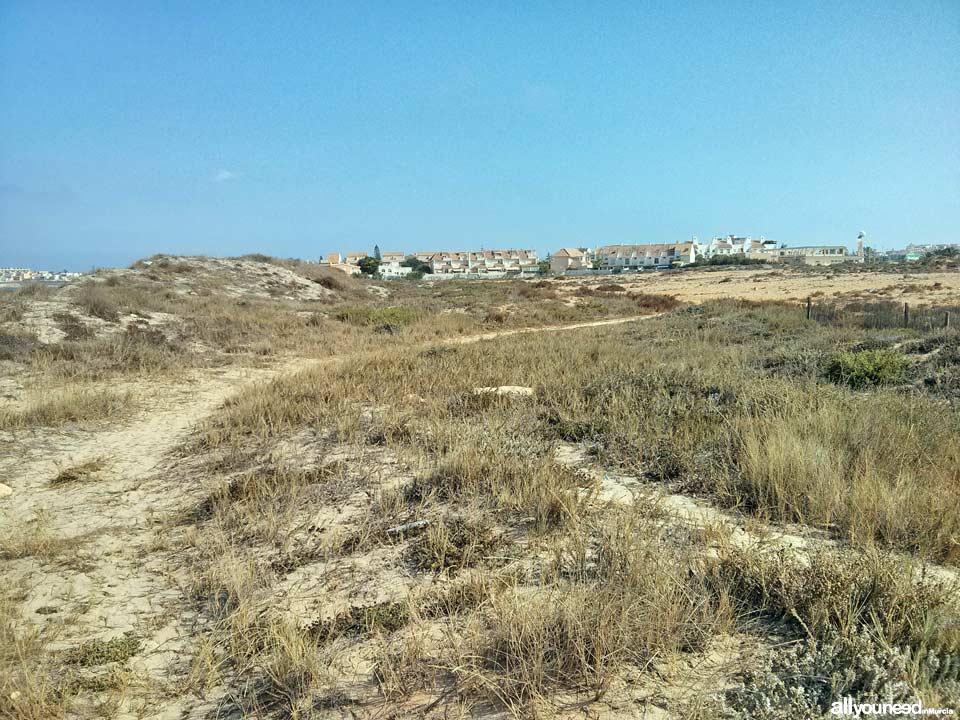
(505, 391)
(5, 490)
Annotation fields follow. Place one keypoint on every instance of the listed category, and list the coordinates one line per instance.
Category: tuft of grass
(832, 594)
(29, 688)
(96, 301)
(79, 473)
(70, 405)
(546, 492)
(100, 652)
(624, 598)
(34, 539)
(402, 668)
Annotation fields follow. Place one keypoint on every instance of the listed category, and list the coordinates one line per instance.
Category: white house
(736, 245)
(390, 266)
(569, 259)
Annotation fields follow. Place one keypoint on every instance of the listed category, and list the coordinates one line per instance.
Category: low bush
(657, 303)
(867, 368)
(454, 543)
(96, 301)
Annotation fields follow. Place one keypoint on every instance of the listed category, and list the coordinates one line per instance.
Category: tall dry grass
(620, 596)
(699, 400)
(56, 407)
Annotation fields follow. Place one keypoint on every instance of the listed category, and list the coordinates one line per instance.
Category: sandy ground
(788, 284)
(114, 577)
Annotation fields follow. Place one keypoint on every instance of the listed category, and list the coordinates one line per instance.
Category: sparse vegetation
(387, 529)
(369, 316)
(97, 301)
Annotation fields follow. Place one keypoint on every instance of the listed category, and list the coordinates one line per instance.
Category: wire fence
(878, 315)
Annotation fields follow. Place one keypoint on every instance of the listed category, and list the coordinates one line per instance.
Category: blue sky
(295, 129)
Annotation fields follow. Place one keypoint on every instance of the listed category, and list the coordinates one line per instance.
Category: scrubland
(716, 510)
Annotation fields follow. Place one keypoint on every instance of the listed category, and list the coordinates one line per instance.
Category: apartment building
(637, 257)
(816, 255)
(737, 245)
(483, 262)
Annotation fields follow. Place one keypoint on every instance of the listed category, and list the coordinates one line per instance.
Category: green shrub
(867, 368)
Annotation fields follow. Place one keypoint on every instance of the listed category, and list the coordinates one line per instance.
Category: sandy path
(111, 574)
(549, 328)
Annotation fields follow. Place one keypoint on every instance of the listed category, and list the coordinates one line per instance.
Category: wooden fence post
(808, 308)
(946, 320)
(906, 314)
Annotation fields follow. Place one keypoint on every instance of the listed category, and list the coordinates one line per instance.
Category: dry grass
(97, 300)
(79, 473)
(620, 596)
(730, 401)
(835, 593)
(35, 539)
(455, 542)
(168, 314)
(685, 399)
(29, 688)
(64, 406)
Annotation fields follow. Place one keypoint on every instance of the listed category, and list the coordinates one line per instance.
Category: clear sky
(296, 129)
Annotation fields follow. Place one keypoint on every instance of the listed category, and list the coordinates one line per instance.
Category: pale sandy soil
(116, 576)
(788, 284)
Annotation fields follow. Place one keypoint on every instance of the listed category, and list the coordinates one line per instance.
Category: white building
(390, 265)
(569, 259)
(816, 255)
(637, 257)
(483, 262)
(736, 245)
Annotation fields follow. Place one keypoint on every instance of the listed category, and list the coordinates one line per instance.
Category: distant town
(21, 274)
(465, 264)
(730, 249)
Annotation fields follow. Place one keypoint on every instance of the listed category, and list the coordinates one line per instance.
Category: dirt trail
(550, 328)
(110, 572)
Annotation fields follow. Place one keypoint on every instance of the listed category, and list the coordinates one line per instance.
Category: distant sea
(20, 283)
